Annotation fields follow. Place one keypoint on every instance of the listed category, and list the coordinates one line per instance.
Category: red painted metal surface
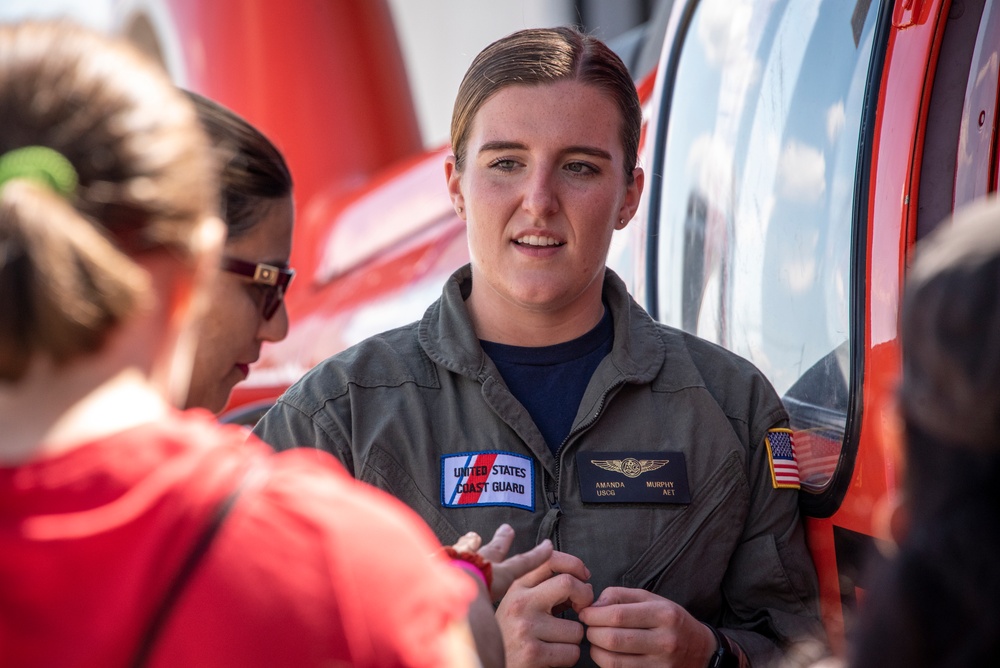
(324, 79)
(902, 111)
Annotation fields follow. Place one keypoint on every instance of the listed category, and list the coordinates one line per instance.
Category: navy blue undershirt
(550, 381)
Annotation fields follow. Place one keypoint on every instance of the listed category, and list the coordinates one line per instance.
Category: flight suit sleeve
(286, 425)
(770, 584)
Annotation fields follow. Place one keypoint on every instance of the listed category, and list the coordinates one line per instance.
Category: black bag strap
(186, 571)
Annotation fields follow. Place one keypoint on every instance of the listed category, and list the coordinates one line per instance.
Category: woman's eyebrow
(502, 145)
(505, 145)
(588, 150)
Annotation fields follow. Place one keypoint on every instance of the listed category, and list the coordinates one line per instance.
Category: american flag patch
(781, 457)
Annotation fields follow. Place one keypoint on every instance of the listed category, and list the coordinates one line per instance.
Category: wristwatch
(724, 657)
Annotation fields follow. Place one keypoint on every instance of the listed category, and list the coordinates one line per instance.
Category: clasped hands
(625, 627)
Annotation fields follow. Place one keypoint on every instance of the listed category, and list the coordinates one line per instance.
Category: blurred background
(438, 38)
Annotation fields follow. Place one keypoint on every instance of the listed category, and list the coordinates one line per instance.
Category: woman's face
(234, 327)
(542, 190)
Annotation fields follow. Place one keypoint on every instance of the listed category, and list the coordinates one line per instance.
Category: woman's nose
(276, 328)
(540, 198)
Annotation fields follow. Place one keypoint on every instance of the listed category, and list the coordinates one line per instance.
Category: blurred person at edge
(936, 600)
(133, 533)
(537, 393)
(247, 298)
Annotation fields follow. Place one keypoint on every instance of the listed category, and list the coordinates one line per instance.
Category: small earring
(460, 209)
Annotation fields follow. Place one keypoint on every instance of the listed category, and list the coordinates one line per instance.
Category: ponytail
(67, 282)
(102, 159)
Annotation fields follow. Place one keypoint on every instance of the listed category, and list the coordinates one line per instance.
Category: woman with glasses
(247, 305)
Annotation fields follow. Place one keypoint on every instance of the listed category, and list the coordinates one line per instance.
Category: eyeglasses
(274, 281)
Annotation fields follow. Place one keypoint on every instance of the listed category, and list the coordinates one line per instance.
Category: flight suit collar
(447, 336)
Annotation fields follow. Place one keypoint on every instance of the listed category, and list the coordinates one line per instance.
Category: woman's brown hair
(254, 173)
(546, 55)
(145, 181)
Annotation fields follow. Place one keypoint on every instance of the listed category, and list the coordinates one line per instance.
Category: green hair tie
(39, 163)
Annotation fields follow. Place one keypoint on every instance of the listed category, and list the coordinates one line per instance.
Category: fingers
(496, 550)
(558, 563)
(505, 572)
(581, 594)
(561, 562)
(470, 542)
(522, 563)
(615, 595)
(550, 590)
(546, 655)
(562, 589)
(623, 609)
(541, 627)
(535, 577)
(532, 636)
(684, 643)
(624, 640)
(638, 624)
(604, 657)
(534, 653)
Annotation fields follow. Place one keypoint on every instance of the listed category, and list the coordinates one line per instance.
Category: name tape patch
(633, 477)
(487, 479)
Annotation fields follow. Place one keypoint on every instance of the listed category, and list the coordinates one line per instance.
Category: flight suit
(663, 483)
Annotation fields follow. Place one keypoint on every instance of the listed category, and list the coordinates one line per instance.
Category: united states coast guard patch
(781, 457)
(487, 479)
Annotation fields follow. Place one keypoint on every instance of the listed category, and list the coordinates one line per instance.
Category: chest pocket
(687, 560)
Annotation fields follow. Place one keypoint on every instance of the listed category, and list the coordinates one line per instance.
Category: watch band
(724, 656)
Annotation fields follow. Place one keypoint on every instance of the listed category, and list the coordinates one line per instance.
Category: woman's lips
(244, 369)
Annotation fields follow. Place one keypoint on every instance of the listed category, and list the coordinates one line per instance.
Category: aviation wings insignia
(630, 467)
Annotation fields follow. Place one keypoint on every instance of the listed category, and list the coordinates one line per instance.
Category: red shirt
(309, 568)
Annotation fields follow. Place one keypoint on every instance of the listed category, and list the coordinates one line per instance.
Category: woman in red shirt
(132, 533)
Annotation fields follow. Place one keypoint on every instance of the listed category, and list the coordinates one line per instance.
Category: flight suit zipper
(552, 493)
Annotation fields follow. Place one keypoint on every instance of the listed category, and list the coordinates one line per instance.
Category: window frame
(825, 502)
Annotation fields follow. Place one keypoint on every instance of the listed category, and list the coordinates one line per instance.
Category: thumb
(528, 561)
(496, 550)
(610, 596)
(509, 570)
(616, 595)
(470, 542)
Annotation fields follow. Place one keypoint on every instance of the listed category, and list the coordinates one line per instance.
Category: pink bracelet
(471, 568)
(474, 559)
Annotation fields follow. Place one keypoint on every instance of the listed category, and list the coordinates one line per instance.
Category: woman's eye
(258, 293)
(581, 168)
(503, 164)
